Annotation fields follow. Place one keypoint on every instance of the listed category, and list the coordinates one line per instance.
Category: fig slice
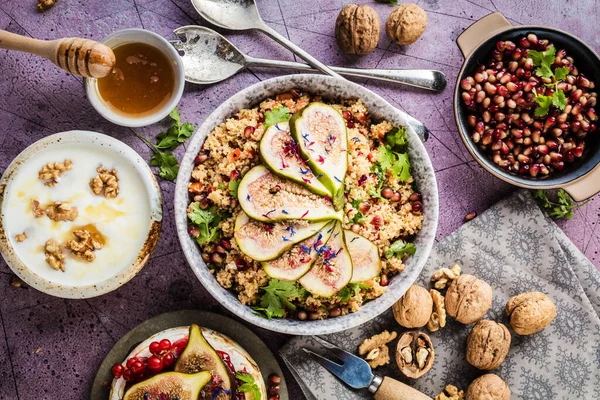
(266, 241)
(320, 131)
(281, 154)
(171, 385)
(267, 197)
(365, 257)
(199, 355)
(296, 262)
(332, 269)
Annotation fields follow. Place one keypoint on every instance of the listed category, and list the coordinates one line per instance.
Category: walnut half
(61, 211)
(54, 255)
(488, 344)
(450, 392)
(443, 277)
(414, 354)
(106, 180)
(374, 349)
(52, 171)
(530, 312)
(84, 245)
(488, 387)
(438, 316)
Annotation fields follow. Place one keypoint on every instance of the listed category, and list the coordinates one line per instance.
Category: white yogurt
(124, 221)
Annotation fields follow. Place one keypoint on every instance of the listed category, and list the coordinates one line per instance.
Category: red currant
(155, 364)
(165, 344)
(117, 370)
(128, 375)
(131, 361)
(138, 367)
(155, 348)
(168, 359)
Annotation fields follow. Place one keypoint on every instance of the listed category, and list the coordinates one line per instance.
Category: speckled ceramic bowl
(152, 191)
(422, 172)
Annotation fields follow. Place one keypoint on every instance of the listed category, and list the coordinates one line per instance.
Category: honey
(142, 81)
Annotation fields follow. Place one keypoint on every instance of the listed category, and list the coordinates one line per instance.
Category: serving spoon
(208, 57)
(241, 15)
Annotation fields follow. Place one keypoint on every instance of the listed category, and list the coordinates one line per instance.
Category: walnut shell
(488, 387)
(406, 24)
(357, 29)
(468, 299)
(530, 312)
(488, 344)
(414, 354)
(414, 309)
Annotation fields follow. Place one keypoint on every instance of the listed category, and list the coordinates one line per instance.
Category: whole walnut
(488, 387)
(468, 299)
(530, 312)
(406, 24)
(488, 344)
(357, 29)
(414, 309)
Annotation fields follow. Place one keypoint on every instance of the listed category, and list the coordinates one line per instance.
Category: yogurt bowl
(103, 235)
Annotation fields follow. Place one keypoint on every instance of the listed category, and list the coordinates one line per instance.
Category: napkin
(516, 248)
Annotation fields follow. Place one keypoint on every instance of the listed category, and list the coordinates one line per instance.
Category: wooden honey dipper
(77, 56)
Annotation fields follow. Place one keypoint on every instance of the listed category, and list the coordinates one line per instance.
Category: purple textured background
(37, 99)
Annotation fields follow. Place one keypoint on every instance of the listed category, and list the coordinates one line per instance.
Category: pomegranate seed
(383, 281)
(500, 45)
(348, 115)
(476, 137)
(532, 38)
(583, 82)
(509, 46)
(249, 131)
(216, 258)
(542, 149)
(517, 54)
(479, 127)
(487, 138)
(578, 151)
(524, 42)
(168, 360)
(592, 128)
(534, 170)
(550, 121)
(200, 158)
(480, 96)
(464, 84)
(576, 95)
(377, 221)
(138, 367)
(591, 113)
(155, 364)
(117, 370)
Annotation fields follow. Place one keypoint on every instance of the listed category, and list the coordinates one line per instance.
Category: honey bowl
(146, 83)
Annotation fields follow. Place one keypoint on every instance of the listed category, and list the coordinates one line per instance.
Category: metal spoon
(241, 15)
(208, 57)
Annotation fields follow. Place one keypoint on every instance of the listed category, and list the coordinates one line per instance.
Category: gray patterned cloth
(516, 248)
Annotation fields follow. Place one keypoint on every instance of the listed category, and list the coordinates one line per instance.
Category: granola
(106, 180)
(374, 349)
(54, 255)
(52, 171)
(84, 245)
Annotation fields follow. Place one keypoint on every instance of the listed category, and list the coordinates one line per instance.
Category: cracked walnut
(374, 349)
(106, 180)
(52, 171)
(84, 245)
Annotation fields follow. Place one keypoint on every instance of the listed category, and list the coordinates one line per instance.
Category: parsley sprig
(248, 385)
(276, 116)
(559, 207)
(352, 290)
(163, 158)
(393, 157)
(276, 297)
(207, 222)
(400, 248)
(544, 61)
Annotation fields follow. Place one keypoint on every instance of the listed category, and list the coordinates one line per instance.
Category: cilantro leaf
(544, 62)
(561, 73)
(536, 57)
(167, 163)
(544, 103)
(399, 248)
(560, 207)
(276, 116)
(207, 222)
(559, 100)
(396, 162)
(233, 188)
(249, 385)
(356, 202)
(401, 168)
(544, 71)
(396, 139)
(352, 290)
(276, 298)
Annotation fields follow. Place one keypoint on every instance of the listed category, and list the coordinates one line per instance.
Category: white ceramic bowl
(421, 168)
(152, 193)
(143, 36)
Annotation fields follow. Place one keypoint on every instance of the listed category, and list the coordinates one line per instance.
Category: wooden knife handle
(392, 389)
(77, 56)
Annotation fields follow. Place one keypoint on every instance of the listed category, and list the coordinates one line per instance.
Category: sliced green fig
(320, 131)
(281, 154)
(296, 262)
(365, 257)
(199, 355)
(267, 197)
(332, 269)
(169, 385)
(265, 241)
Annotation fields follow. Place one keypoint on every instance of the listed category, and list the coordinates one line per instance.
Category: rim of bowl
(154, 202)
(91, 85)
(227, 299)
(471, 146)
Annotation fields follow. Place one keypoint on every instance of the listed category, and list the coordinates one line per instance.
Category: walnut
(414, 354)
(530, 312)
(54, 255)
(61, 211)
(468, 299)
(374, 349)
(450, 392)
(488, 344)
(38, 211)
(20, 237)
(84, 245)
(357, 29)
(43, 5)
(52, 171)
(413, 310)
(107, 180)
(444, 277)
(488, 387)
(438, 316)
(406, 24)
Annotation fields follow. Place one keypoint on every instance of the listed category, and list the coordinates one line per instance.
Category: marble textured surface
(50, 348)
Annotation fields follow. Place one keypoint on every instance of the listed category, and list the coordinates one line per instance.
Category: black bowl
(586, 61)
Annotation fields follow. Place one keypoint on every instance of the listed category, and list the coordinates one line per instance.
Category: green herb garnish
(248, 385)
(393, 156)
(207, 222)
(376, 192)
(233, 188)
(163, 158)
(275, 298)
(352, 290)
(276, 116)
(399, 248)
(359, 218)
(560, 207)
(544, 61)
